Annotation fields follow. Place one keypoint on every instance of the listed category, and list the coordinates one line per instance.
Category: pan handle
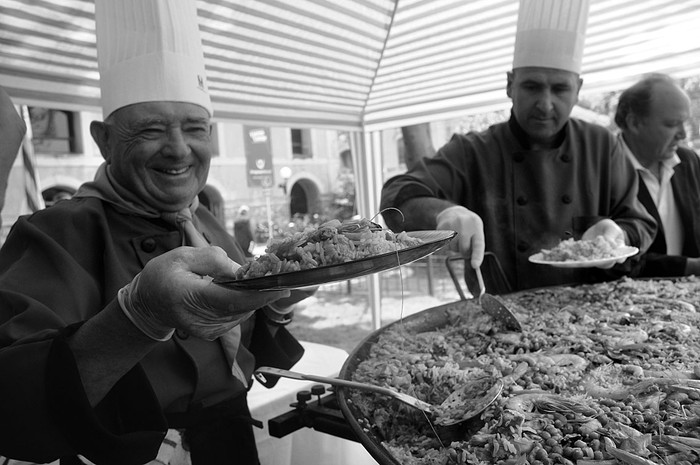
(322, 379)
(271, 371)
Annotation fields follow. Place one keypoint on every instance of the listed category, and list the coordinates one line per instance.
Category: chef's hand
(175, 291)
(612, 233)
(470, 240)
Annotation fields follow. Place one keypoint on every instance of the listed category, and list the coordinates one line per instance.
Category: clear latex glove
(613, 233)
(470, 240)
(175, 291)
(279, 310)
(297, 295)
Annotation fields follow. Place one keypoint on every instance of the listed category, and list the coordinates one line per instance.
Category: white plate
(620, 252)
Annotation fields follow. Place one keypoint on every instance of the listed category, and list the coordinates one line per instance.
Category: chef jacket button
(523, 246)
(566, 198)
(518, 157)
(522, 200)
(148, 245)
(182, 334)
(566, 158)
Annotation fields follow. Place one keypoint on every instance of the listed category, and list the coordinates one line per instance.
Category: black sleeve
(280, 351)
(127, 427)
(656, 265)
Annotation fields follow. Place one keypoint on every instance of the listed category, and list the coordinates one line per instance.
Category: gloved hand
(279, 310)
(175, 291)
(610, 230)
(470, 240)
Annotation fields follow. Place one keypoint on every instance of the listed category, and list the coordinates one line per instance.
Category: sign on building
(258, 157)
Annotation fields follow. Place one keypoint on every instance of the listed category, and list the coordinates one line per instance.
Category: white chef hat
(551, 34)
(149, 50)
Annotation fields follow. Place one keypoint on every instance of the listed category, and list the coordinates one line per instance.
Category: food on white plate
(581, 250)
(331, 243)
(612, 370)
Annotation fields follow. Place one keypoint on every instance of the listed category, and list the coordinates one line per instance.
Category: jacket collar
(524, 140)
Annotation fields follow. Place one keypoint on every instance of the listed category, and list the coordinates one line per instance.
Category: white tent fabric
(357, 65)
(347, 64)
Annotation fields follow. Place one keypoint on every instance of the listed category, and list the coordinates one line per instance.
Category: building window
(215, 150)
(401, 150)
(301, 143)
(346, 160)
(55, 131)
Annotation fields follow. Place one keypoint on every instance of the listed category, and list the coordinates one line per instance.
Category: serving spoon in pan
(466, 402)
(491, 304)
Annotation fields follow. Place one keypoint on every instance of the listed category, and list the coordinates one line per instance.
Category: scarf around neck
(107, 189)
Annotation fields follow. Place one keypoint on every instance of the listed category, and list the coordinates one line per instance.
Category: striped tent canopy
(347, 64)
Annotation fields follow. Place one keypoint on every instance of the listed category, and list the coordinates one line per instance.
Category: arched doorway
(298, 202)
(304, 198)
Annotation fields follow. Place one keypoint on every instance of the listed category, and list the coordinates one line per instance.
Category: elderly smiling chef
(528, 183)
(111, 331)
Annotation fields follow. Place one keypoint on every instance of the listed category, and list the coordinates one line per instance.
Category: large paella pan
(612, 376)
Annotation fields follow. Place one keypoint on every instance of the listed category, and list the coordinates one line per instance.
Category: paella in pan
(601, 374)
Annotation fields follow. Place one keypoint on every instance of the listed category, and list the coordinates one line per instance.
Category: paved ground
(339, 315)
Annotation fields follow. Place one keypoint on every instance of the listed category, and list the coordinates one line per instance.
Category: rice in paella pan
(612, 377)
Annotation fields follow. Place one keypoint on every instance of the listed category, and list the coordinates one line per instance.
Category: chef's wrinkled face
(159, 151)
(542, 101)
(655, 137)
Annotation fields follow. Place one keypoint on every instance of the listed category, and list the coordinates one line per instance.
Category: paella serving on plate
(600, 374)
(335, 251)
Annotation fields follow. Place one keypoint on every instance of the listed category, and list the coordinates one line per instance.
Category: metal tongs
(491, 304)
(482, 287)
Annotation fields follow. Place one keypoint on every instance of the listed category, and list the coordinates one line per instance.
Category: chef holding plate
(529, 183)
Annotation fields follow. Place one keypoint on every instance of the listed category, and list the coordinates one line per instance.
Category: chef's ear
(100, 134)
(509, 83)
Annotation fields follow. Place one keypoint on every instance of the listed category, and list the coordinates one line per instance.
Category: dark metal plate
(432, 242)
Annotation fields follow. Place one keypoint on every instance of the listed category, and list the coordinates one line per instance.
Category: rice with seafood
(331, 243)
(573, 250)
(612, 375)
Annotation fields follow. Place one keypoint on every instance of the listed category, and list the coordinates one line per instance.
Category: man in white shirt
(651, 116)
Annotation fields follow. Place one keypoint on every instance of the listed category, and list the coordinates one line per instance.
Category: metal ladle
(405, 398)
(472, 394)
(495, 307)
(491, 304)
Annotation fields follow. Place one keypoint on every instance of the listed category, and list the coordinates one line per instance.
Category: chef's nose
(544, 101)
(177, 145)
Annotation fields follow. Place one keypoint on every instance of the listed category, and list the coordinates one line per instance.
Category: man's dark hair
(636, 100)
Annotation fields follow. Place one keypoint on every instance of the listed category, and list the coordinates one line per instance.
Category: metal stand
(321, 414)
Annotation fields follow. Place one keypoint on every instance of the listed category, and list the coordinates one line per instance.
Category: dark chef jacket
(58, 268)
(685, 183)
(532, 199)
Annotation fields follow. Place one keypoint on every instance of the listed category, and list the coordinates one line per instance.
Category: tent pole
(367, 164)
(32, 188)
